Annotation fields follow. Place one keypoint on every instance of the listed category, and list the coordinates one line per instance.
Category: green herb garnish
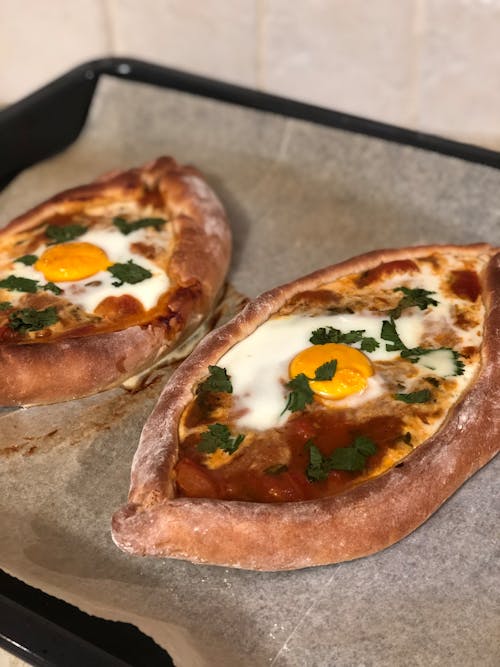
(218, 380)
(301, 393)
(219, 436)
(29, 260)
(325, 335)
(412, 297)
(128, 273)
(5, 305)
(128, 227)
(414, 354)
(14, 283)
(29, 319)
(63, 233)
(52, 287)
(350, 458)
(422, 396)
(276, 469)
(326, 371)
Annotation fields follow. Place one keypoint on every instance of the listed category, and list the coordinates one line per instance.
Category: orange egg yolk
(351, 375)
(72, 261)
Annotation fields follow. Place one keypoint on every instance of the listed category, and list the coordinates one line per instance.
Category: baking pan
(35, 626)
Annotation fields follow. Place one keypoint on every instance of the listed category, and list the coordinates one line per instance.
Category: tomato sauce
(465, 284)
(272, 480)
(386, 269)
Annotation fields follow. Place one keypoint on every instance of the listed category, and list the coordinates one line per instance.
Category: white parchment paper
(299, 196)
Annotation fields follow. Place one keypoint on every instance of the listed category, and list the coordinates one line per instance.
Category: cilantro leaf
(364, 445)
(347, 458)
(29, 319)
(318, 468)
(63, 233)
(52, 287)
(422, 396)
(369, 344)
(350, 458)
(276, 469)
(5, 305)
(417, 296)
(300, 395)
(326, 371)
(29, 260)
(389, 333)
(14, 283)
(128, 227)
(218, 380)
(128, 273)
(325, 335)
(219, 436)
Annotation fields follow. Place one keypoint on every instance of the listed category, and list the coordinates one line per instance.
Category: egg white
(258, 365)
(86, 293)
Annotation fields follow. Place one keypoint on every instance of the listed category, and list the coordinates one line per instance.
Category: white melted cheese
(258, 365)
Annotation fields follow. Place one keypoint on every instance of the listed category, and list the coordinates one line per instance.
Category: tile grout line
(107, 13)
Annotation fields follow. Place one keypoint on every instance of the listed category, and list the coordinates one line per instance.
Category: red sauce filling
(386, 269)
(465, 284)
(234, 481)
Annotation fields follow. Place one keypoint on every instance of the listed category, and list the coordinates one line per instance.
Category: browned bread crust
(70, 366)
(356, 523)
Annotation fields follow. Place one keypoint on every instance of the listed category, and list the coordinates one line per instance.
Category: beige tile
(351, 55)
(41, 39)
(215, 38)
(459, 91)
(9, 660)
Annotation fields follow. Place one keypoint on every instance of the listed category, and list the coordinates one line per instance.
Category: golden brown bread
(361, 521)
(62, 367)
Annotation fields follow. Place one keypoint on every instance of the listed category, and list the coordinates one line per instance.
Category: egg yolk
(72, 261)
(351, 374)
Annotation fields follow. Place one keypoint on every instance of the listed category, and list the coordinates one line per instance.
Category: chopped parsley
(5, 305)
(218, 380)
(325, 335)
(219, 436)
(326, 371)
(52, 287)
(128, 273)
(350, 458)
(422, 396)
(29, 260)
(395, 344)
(29, 319)
(16, 284)
(128, 227)
(417, 296)
(301, 393)
(276, 469)
(63, 233)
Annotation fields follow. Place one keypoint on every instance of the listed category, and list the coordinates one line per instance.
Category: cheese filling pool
(337, 387)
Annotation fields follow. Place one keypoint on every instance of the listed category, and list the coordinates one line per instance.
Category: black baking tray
(38, 628)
